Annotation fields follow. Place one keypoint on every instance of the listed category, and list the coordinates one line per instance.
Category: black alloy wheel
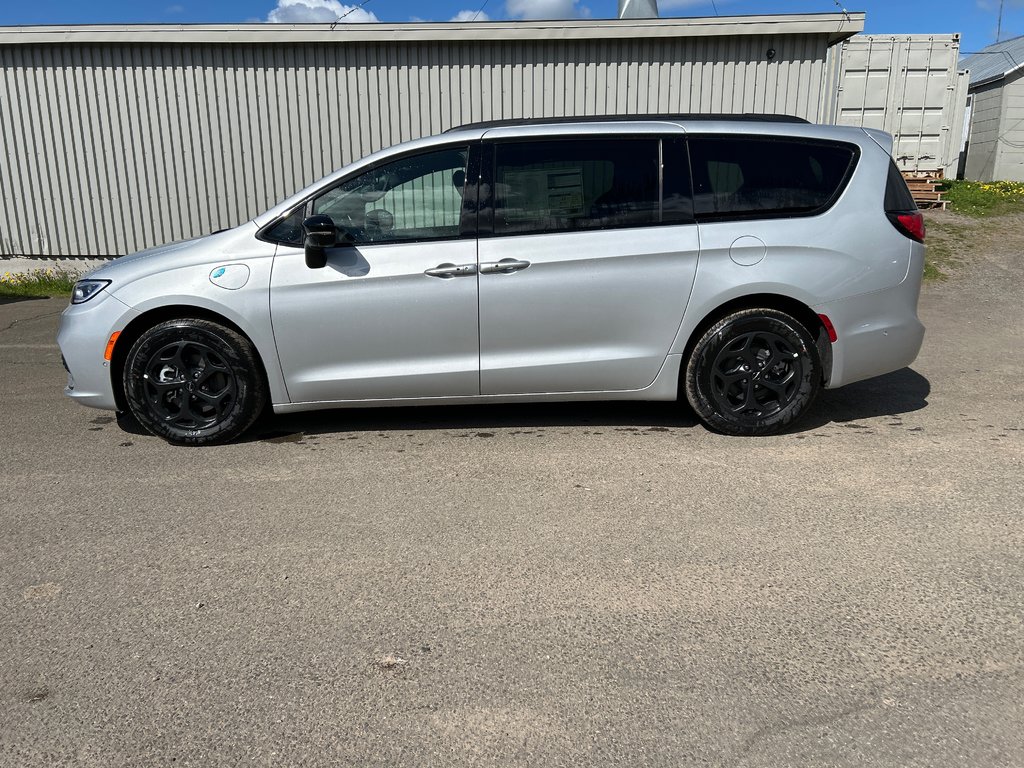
(194, 382)
(188, 385)
(754, 372)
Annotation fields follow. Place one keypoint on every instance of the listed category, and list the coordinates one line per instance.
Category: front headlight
(86, 289)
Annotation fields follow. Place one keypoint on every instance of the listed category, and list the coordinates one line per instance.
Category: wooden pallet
(922, 185)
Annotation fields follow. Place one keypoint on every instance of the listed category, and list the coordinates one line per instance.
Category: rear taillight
(909, 223)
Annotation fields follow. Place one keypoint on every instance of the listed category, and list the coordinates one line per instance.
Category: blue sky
(975, 19)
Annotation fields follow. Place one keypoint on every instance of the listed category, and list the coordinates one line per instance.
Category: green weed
(52, 281)
(983, 198)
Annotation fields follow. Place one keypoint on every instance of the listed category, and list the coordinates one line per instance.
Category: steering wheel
(380, 223)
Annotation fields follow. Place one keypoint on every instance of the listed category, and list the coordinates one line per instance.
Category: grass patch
(38, 282)
(937, 262)
(945, 241)
(984, 198)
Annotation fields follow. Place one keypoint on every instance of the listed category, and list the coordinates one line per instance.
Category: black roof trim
(522, 121)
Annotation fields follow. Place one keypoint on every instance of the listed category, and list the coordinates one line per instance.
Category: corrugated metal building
(910, 86)
(996, 143)
(120, 138)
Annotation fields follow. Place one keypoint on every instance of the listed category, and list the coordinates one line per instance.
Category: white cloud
(325, 11)
(545, 9)
(471, 16)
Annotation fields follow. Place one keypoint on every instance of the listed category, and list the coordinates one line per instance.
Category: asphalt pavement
(570, 585)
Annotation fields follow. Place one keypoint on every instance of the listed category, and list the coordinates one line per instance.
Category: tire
(194, 382)
(753, 372)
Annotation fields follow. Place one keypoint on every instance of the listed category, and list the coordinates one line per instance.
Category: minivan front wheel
(194, 382)
(754, 372)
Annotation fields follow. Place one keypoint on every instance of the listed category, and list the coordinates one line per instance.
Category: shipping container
(910, 86)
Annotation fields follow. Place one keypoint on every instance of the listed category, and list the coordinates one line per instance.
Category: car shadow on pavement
(476, 417)
(903, 391)
(896, 393)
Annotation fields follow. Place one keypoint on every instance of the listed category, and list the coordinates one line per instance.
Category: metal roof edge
(994, 61)
(1012, 72)
(953, 37)
(986, 81)
(838, 27)
(995, 78)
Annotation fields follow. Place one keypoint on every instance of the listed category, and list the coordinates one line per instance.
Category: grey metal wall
(110, 148)
(910, 86)
(1011, 138)
(1010, 157)
(986, 117)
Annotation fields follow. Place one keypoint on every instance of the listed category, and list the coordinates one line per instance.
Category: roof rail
(520, 121)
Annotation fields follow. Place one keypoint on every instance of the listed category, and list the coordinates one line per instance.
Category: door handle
(505, 266)
(452, 270)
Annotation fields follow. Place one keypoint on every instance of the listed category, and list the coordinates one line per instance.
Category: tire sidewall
(722, 333)
(236, 352)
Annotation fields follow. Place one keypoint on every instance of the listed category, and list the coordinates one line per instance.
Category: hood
(224, 245)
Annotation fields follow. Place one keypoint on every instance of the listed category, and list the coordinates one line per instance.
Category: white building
(996, 143)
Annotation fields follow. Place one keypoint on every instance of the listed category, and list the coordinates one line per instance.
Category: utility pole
(999, 24)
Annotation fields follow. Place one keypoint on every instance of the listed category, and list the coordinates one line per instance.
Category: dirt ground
(575, 585)
(956, 241)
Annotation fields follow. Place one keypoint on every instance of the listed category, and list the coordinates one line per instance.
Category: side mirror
(320, 234)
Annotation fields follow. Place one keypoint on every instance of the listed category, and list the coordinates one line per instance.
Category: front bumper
(82, 338)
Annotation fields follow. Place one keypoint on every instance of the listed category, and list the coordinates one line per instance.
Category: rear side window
(741, 177)
(573, 185)
(897, 194)
(676, 196)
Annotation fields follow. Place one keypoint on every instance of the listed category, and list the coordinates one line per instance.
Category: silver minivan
(742, 263)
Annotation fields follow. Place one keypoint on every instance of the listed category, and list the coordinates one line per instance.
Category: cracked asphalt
(572, 585)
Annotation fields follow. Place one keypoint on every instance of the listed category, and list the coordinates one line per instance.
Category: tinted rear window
(677, 198)
(897, 194)
(571, 185)
(740, 177)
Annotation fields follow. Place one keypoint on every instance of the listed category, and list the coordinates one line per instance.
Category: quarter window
(415, 198)
(752, 177)
(572, 185)
(289, 230)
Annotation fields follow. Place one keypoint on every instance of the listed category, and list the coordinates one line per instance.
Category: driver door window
(413, 199)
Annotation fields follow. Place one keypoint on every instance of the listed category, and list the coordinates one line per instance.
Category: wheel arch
(793, 307)
(151, 317)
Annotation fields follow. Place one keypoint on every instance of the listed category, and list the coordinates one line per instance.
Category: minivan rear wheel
(194, 382)
(753, 372)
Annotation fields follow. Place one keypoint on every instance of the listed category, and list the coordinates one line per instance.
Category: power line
(1001, 52)
(353, 9)
(477, 14)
